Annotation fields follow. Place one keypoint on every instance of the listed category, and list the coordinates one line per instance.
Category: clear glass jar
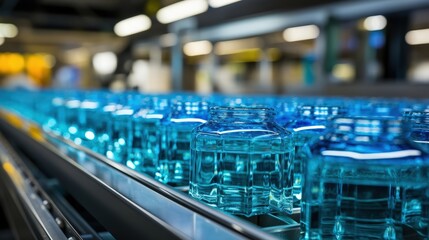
(417, 126)
(147, 136)
(365, 180)
(308, 123)
(241, 162)
(183, 118)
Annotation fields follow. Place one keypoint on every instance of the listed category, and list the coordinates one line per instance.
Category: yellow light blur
(11, 63)
(16, 63)
(38, 69)
(38, 66)
(246, 55)
(11, 171)
(344, 71)
(35, 132)
(236, 46)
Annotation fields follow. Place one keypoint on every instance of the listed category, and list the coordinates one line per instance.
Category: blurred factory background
(341, 47)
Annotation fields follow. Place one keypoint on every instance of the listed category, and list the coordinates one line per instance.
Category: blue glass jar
(241, 162)
(119, 134)
(184, 117)
(377, 107)
(147, 137)
(363, 180)
(119, 126)
(286, 109)
(70, 118)
(417, 126)
(99, 121)
(309, 122)
(88, 123)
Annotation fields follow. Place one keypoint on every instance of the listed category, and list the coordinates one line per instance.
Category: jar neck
(241, 114)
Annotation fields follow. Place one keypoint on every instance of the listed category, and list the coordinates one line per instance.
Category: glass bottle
(363, 180)
(241, 161)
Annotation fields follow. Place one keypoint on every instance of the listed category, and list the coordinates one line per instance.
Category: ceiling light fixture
(375, 23)
(105, 62)
(8, 30)
(221, 3)
(132, 25)
(417, 37)
(197, 48)
(301, 33)
(181, 10)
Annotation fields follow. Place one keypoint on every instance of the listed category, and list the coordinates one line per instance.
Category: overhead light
(8, 30)
(197, 48)
(375, 23)
(235, 46)
(301, 33)
(132, 25)
(180, 10)
(417, 37)
(105, 62)
(221, 3)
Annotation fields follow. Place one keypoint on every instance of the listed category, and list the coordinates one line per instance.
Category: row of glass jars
(356, 167)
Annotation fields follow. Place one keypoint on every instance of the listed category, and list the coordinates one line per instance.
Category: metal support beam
(395, 59)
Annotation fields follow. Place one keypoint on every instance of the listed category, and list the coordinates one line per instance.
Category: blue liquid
(175, 169)
(241, 168)
(102, 123)
(147, 145)
(119, 133)
(237, 177)
(417, 127)
(310, 123)
(69, 126)
(364, 182)
(184, 117)
(300, 140)
(89, 124)
(374, 202)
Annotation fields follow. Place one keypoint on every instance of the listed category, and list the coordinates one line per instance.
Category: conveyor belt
(30, 211)
(128, 204)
